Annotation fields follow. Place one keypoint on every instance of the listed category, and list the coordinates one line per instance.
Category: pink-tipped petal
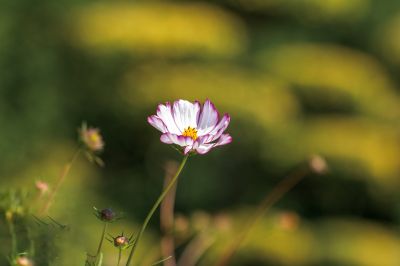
(203, 148)
(219, 129)
(187, 149)
(156, 122)
(185, 114)
(165, 138)
(222, 124)
(223, 140)
(208, 118)
(182, 141)
(164, 112)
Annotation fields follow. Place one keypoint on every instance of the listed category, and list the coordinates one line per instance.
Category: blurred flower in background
(91, 138)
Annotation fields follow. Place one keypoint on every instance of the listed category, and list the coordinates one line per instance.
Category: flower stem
(167, 216)
(154, 208)
(101, 240)
(276, 194)
(119, 256)
(11, 228)
(60, 180)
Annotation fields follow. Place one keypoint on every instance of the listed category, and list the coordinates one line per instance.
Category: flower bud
(42, 187)
(121, 241)
(23, 261)
(318, 164)
(107, 215)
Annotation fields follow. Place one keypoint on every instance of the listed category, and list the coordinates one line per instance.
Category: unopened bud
(107, 215)
(42, 187)
(23, 261)
(318, 164)
(289, 220)
(121, 241)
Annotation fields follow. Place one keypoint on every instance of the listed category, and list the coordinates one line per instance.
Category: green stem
(101, 241)
(276, 194)
(154, 208)
(60, 180)
(13, 237)
(119, 256)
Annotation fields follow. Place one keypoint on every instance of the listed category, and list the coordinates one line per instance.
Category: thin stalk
(10, 222)
(119, 256)
(101, 240)
(11, 228)
(154, 208)
(167, 216)
(60, 180)
(276, 194)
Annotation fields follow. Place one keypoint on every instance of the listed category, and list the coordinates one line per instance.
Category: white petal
(208, 118)
(185, 114)
(156, 122)
(223, 140)
(187, 149)
(182, 141)
(219, 129)
(164, 112)
(203, 148)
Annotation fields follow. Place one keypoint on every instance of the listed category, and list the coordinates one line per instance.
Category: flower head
(192, 126)
(92, 138)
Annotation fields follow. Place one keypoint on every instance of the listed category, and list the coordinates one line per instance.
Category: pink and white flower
(191, 126)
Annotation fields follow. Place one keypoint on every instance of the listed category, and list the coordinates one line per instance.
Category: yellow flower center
(94, 137)
(190, 132)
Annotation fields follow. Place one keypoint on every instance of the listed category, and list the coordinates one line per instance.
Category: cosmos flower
(191, 126)
(91, 137)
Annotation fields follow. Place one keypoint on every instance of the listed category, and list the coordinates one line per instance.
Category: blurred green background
(298, 78)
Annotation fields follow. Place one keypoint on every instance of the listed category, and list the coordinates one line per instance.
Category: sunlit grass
(168, 29)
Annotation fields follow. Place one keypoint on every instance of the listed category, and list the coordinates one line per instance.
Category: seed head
(107, 215)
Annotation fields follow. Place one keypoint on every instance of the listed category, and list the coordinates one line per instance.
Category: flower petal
(187, 149)
(223, 140)
(182, 141)
(185, 114)
(203, 148)
(219, 129)
(208, 118)
(156, 122)
(164, 112)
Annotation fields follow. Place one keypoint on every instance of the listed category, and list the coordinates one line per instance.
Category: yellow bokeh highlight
(332, 68)
(359, 243)
(374, 145)
(388, 38)
(314, 10)
(345, 240)
(160, 29)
